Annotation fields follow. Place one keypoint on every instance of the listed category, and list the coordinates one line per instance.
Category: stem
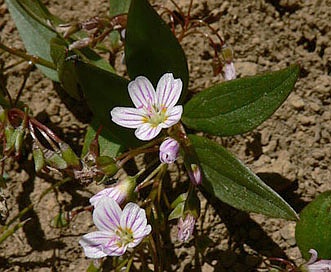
(25, 78)
(30, 58)
(12, 230)
(147, 181)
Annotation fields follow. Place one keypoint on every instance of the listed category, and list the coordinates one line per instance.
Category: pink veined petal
(147, 132)
(168, 90)
(112, 192)
(115, 247)
(93, 243)
(127, 117)
(107, 214)
(142, 92)
(131, 213)
(173, 116)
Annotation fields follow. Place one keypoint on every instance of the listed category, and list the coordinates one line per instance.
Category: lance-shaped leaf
(237, 106)
(313, 230)
(35, 35)
(103, 91)
(232, 182)
(151, 49)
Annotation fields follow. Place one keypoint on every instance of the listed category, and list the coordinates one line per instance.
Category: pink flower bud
(169, 150)
(119, 192)
(185, 227)
(229, 71)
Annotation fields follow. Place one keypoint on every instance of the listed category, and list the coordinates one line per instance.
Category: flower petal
(107, 214)
(132, 213)
(142, 92)
(168, 91)
(147, 132)
(113, 192)
(93, 243)
(173, 116)
(127, 117)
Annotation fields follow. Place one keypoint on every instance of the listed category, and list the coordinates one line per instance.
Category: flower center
(155, 115)
(126, 236)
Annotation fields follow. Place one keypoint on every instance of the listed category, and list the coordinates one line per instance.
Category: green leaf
(35, 35)
(103, 91)
(151, 49)
(313, 230)
(232, 182)
(237, 106)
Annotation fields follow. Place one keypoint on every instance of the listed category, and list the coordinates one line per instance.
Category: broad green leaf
(151, 49)
(313, 230)
(103, 91)
(107, 148)
(117, 7)
(237, 106)
(232, 182)
(35, 35)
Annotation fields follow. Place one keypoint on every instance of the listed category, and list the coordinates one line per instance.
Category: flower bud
(120, 192)
(185, 227)
(195, 174)
(107, 165)
(38, 157)
(229, 71)
(169, 150)
(69, 155)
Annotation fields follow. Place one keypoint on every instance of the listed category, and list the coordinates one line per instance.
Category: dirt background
(291, 151)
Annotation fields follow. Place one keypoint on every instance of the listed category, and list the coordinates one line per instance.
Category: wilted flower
(316, 266)
(154, 110)
(120, 191)
(169, 150)
(229, 71)
(118, 229)
(195, 174)
(185, 227)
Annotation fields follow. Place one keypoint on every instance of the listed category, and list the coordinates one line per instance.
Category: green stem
(147, 181)
(12, 230)
(30, 58)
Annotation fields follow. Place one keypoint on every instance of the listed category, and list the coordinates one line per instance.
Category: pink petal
(142, 92)
(127, 117)
(93, 243)
(112, 192)
(168, 90)
(132, 213)
(173, 116)
(147, 132)
(107, 214)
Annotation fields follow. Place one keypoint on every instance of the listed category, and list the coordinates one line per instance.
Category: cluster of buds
(49, 151)
(97, 29)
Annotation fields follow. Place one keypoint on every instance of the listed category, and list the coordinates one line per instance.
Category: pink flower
(317, 266)
(154, 110)
(117, 229)
(185, 227)
(169, 150)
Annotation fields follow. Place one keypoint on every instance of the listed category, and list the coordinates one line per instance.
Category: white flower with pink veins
(154, 110)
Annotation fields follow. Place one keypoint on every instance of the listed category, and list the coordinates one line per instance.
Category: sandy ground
(291, 151)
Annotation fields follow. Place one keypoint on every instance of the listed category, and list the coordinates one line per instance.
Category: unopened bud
(195, 174)
(54, 160)
(38, 157)
(68, 29)
(185, 227)
(107, 165)
(120, 192)
(169, 150)
(229, 71)
(69, 155)
(19, 139)
(80, 44)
